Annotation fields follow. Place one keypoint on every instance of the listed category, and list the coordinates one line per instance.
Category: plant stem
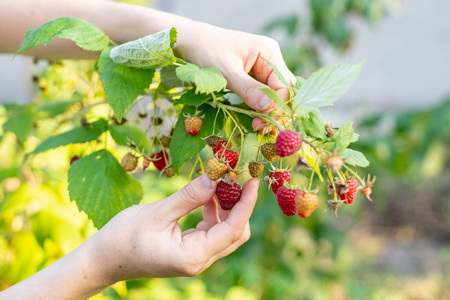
(250, 113)
(330, 176)
(355, 174)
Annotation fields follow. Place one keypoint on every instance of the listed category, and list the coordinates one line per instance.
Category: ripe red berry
(160, 160)
(230, 157)
(286, 200)
(228, 194)
(193, 125)
(306, 204)
(288, 142)
(73, 159)
(220, 144)
(350, 195)
(277, 179)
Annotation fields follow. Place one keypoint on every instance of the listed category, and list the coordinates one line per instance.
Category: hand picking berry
(288, 142)
(286, 200)
(228, 194)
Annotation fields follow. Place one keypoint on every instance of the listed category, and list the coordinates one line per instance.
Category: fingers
(226, 233)
(195, 194)
(249, 90)
(210, 216)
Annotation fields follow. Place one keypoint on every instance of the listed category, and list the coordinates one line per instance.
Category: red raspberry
(228, 194)
(159, 161)
(286, 200)
(229, 156)
(74, 159)
(193, 125)
(277, 179)
(351, 193)
(288, 142)
(220, 144)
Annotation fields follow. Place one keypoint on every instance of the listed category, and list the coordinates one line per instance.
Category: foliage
(286, 258)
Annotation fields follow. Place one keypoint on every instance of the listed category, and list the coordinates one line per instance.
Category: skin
(145, 240)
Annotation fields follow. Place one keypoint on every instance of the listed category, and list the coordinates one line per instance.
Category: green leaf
(123, 134)
(150, 52)
(206, 80)
(122, 84)
(78, 135)
(324, 87)
(280, 77)
(185, 146)
(20, 120)
(196, 99)
(313, 124)
(169, 78)
(85, 34)
(300, 81)
(354, 158)
(53, 109)
(344, 137)
(101, 187)
(275, 97)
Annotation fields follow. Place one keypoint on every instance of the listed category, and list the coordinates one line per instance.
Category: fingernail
(264, 102)
(207, 183)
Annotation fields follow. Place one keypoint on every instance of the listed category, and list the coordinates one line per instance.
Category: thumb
(249, 90)
(195, 194)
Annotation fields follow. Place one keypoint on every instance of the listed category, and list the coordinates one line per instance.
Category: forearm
(78, 275)
(121, 22)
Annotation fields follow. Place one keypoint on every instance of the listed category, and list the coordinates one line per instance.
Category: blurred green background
(394, 248)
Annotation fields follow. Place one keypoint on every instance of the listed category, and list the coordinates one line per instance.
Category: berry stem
(201, 164)
(311, 179)
(241, 149)
(330, 176)
(193, 168)
(341, 175)
(214, 103)
(355, 174)
(251, 114)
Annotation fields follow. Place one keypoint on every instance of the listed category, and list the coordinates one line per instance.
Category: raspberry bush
(152, 96)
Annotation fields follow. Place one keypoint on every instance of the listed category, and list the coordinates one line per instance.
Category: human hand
(146, 240)
(237, 56)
